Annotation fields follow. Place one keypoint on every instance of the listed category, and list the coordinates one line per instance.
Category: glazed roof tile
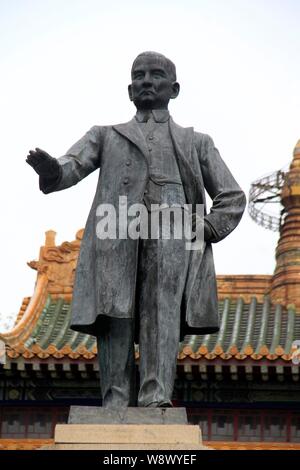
(252, 330)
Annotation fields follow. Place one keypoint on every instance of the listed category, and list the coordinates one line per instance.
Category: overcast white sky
(65, 66)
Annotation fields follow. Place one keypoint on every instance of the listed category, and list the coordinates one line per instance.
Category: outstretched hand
(43, 163)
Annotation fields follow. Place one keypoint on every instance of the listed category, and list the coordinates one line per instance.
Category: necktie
(150, 124)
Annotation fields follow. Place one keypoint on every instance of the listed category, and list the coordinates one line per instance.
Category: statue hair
(167, 63)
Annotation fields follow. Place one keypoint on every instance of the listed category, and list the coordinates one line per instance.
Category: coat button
(150, 137)
(128, 163)
(126, 181)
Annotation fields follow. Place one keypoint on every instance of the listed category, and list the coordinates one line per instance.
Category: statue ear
(176, 89)
(130, 92)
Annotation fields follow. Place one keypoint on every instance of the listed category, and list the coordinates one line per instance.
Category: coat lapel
(132, 132)
(183, 142)
(183, 139)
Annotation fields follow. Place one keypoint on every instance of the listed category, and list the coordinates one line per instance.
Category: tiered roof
(255, 331)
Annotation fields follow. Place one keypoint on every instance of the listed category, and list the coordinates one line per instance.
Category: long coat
(106, 272)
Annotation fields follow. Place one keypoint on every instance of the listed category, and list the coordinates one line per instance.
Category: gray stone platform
(133, 415)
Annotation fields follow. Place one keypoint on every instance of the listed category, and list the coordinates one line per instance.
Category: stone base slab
(127, 434)
(127, 437)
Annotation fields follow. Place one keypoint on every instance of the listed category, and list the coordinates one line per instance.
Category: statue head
(153, 81)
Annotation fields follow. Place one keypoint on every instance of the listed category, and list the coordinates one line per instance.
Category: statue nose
(147, 80)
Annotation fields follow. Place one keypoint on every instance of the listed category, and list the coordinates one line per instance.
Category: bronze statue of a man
(149, 290)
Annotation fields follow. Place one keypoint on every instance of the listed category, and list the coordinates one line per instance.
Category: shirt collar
(159, 115)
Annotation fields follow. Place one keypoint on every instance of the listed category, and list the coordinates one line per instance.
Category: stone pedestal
(131, 415)
(92, 428)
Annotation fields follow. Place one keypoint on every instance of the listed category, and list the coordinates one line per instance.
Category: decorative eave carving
(58, 262)
(55, 275)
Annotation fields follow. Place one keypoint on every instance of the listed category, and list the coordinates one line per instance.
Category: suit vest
(164, 185)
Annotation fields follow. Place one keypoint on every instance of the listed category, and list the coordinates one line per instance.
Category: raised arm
(80, 160)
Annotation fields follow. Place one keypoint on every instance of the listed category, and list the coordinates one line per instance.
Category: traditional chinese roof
(252, 332)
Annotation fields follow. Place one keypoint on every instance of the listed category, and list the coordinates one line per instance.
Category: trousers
(161, 275)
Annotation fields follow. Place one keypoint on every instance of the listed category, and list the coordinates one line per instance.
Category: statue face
(151, 86)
